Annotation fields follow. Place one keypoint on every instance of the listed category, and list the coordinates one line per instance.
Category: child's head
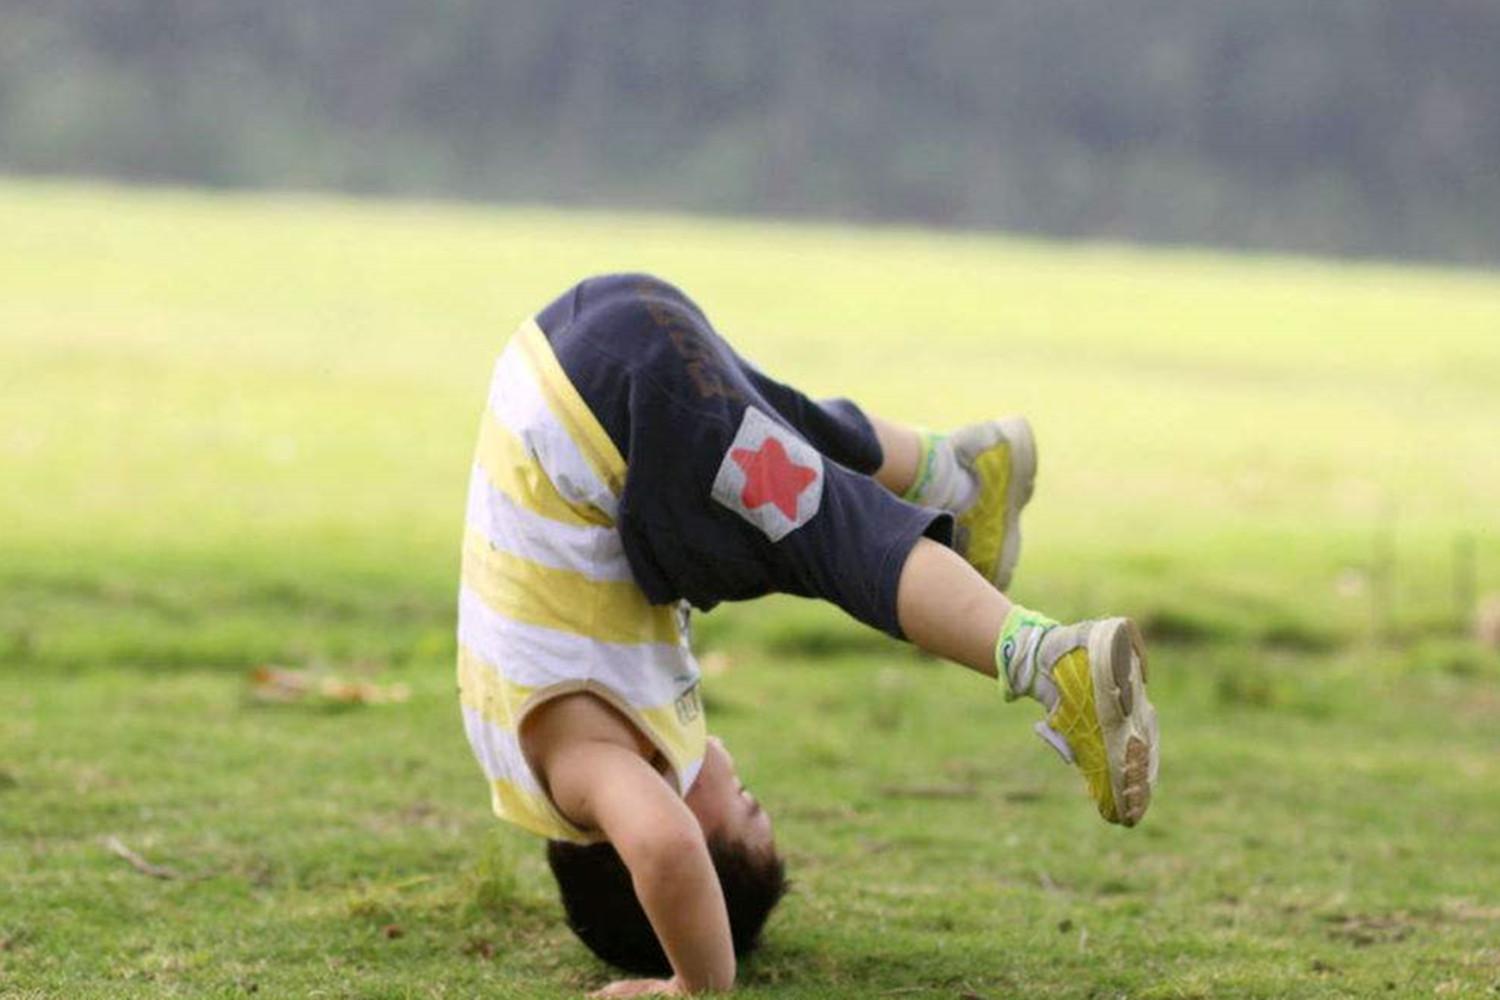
(600, 901)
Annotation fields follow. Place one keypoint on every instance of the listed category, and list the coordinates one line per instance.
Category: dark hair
(602, 908)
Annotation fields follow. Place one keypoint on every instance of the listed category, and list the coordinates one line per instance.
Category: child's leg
(945, 607)
(902, 453)
(984, 474)
(1090, 677)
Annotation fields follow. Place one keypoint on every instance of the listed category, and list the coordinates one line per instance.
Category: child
(630, 465)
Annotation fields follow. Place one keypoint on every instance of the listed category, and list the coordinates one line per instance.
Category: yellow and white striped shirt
(547, 605)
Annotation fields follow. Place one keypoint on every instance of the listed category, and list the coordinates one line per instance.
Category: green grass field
(236, 430)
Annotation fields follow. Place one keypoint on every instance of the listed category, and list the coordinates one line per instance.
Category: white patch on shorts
(770, 476)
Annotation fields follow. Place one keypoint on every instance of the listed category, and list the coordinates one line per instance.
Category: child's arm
(604, 785)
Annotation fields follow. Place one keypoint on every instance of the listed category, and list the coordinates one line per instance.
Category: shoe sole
(1117, 660)
(1018, 494)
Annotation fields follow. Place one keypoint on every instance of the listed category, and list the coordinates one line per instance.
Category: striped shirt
(547, 603)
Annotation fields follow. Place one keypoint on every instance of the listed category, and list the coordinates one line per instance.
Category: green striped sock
(928, 442)
(1016, 650)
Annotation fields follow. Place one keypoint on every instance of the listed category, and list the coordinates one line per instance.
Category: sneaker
(1091, 677)
(1001, 455)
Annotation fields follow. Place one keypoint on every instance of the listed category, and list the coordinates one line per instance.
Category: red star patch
(772, 477)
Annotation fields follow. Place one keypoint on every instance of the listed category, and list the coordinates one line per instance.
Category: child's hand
(641, 988)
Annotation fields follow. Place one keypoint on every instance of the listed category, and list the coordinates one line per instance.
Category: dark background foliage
(1345, 126)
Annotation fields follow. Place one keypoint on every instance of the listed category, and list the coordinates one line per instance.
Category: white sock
(1018, 655)
(941, 482)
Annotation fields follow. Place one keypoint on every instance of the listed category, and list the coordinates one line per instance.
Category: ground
(235, 430)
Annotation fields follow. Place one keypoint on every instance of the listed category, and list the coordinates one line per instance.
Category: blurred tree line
(1352, 126)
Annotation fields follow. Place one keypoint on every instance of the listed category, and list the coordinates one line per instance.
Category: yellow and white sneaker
(1091, 678)
(1001, 456)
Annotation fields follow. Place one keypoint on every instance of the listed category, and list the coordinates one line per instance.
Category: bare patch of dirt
(1365, 929)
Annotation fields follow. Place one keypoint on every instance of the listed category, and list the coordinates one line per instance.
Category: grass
(235, 430)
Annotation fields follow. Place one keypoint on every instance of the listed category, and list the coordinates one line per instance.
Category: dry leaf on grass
(282, 685)
(117, 847)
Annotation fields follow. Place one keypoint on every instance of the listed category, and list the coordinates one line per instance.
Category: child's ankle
(940, 482)
(1018, 659)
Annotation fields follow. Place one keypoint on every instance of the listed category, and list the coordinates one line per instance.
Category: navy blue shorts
(736, 485)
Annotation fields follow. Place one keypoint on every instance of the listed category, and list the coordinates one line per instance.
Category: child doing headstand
(631, 465)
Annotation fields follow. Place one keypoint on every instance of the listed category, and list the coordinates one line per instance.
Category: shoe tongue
(1055, 740)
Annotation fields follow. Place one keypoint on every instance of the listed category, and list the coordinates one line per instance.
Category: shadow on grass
(1275, 631)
